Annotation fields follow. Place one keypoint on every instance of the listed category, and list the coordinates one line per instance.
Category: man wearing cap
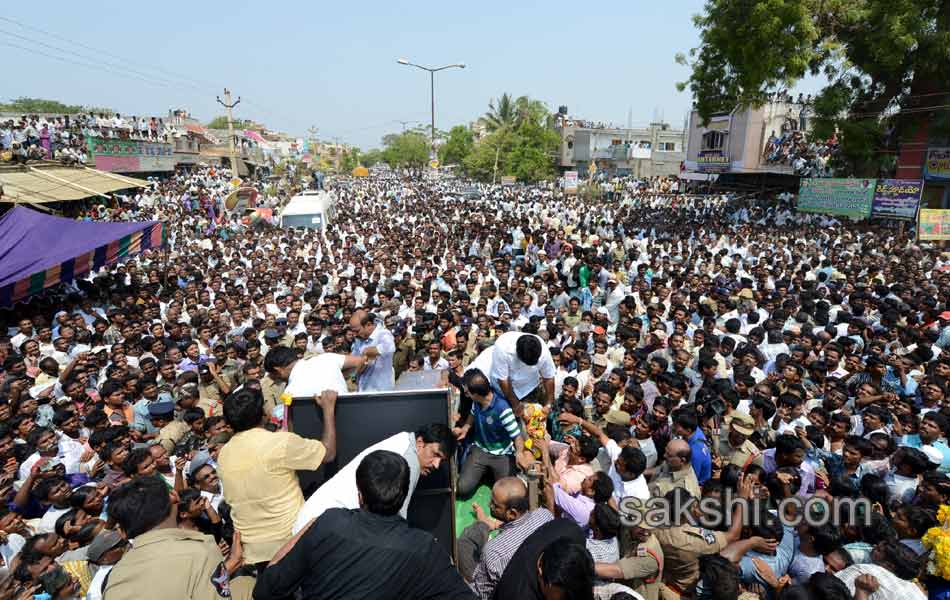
(640, 566)
(683, 544)
(733, 445)
(174, 430)
(165, 561)
(103, 553)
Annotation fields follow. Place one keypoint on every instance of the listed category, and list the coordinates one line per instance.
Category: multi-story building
(771, 142)
(655, 150)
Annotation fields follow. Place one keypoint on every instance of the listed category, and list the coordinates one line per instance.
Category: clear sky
(333, 65)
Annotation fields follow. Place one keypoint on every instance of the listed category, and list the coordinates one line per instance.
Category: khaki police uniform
(171, 434)
(209, 399)
(405, 350)
(271, 391)
(747, 453)
(170, 563)
(682, 547)
(743, 456)
(643, 568)
(665, 480)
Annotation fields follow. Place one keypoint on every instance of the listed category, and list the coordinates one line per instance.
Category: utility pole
(228, 105)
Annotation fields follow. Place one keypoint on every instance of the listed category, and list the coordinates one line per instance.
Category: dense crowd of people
(610, 361)
(63, 137)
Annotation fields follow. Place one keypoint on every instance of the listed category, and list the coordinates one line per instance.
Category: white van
(312, 209)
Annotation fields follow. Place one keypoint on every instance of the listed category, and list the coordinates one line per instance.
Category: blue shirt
(494, 428)
(702, 462)
(779, 562)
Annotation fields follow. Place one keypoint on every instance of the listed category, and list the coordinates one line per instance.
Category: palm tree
(502, 114)
(507, 113)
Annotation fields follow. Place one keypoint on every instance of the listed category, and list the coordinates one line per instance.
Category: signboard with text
(508, 180)
(130, 156)
(937, 166)
(841, 197)
(934, 224)
(896, 199)
(570, 182)
(712, 161)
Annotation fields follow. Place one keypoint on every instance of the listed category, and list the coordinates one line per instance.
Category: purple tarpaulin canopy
(38, 251)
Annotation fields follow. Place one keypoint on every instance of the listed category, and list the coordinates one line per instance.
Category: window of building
(667, 147)
(714, 140)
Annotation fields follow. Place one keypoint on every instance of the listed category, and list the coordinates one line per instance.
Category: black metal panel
(368, 418)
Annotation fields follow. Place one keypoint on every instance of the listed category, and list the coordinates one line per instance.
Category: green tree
(406, 150)
(41, 105)
(371, 157)
(350, 160)
(221, 122)
(886, 61)
(458, 146)
(508, 113)
(520, 143)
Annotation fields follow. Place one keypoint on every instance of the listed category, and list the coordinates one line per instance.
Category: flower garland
(937, 540)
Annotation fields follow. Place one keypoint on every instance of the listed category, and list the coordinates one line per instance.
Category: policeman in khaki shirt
(640, 568)
(271, 389)
(165, 561)
(172, 433)
(734, 446)
(683, 544)
(676, 471)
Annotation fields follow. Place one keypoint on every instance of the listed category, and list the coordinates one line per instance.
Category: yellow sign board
(434, 164)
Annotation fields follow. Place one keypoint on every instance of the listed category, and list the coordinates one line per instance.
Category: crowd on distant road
(621, 349)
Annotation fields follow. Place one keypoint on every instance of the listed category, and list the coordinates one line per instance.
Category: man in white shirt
(312, 376)
(434, 361)
(424, 451)
(516, 363)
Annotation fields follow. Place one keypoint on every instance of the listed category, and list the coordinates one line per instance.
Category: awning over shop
(38, 251)
(253, 135)
(41, 183)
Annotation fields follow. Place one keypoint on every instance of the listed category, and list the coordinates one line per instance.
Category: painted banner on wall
(896, 199)
(130, 156)
(842, 197)
(934, 224)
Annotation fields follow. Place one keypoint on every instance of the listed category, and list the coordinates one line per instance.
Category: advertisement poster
(841, 197)
(570, 182)
(934, 224)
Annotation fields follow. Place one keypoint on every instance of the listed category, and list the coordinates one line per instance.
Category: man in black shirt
(367, 553)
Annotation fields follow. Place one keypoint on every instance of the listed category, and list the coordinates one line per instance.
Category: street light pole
(432, 99)
(432, 71)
